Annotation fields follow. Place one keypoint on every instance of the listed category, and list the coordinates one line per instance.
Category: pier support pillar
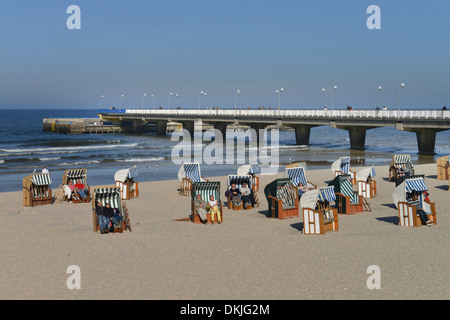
(222, 127)
(161, 127)
(138, 126)
(259, 134)
(189, 126)
(302, 134)
(426, 140)
(357, 136)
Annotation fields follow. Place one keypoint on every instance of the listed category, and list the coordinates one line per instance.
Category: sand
(249, 256)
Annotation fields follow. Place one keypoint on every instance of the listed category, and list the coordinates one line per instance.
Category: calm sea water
(24, 147)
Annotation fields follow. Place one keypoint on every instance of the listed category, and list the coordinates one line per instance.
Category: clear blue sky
(256, 46)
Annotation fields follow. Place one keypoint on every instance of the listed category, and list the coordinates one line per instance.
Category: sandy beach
(249, 256)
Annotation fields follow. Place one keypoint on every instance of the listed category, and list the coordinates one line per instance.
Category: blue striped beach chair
(112, 196)
(342, 166)
(367, 186)
(205, 190)
(36, 189)
(407, 213)
(282, 198)
(401, 167)
(239, 181)
(188, 174)
(74, 175)
(124, 179)
(319, 216)
(298, 176)
(347, 201)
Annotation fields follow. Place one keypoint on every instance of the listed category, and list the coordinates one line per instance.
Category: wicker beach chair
(112, 196)
(443, 166)
(124, 179)
(318, 215)
(253, 170)
(74, 175)
(298, 176)
(342, 166)
(282, 198)
(36, 189)
(188, 174)
(367, 186)
(406, 212)
(205, 189)
(401, 165)
(239, 182)
(347, 200)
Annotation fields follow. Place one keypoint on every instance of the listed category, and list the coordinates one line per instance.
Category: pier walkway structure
(425, 123)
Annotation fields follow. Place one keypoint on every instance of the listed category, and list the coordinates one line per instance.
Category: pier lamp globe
(402, 85)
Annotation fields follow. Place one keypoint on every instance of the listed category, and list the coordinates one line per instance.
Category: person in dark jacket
(111, 213)
(102, 219)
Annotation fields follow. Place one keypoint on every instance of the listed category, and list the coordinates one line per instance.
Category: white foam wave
(78, 163)
(142, 159)
(67, 149)
(49, 159)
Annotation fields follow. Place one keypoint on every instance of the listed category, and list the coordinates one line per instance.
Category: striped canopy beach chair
(407, 213)
(74, 175)
(205, 190)
(112, 196)
(342, 166)
(239, 181)
(347, 201)
(401, 166)
(124, 179)
(282, 198)
(298, 176)
(188, 174)
(443, 168)
(253, 170)
(36, 189)
(367, 186)
(319, 216)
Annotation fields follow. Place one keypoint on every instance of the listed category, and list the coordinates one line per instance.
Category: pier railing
(338, 114)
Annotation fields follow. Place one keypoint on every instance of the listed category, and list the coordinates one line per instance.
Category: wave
(79, 163)
(66, 149)
(142, 159)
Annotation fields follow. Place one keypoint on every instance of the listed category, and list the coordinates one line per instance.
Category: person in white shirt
(44, 169)
(245, 194)
(214, 209)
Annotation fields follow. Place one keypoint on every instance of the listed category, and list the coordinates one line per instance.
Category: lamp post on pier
(237, 93)
(380, 88)
(143, 99)
(279, 92)
(168, 103)
(332, 101)
(326, 96)
(101, 99)
(154, 101)
(121, 97)
(402, 85)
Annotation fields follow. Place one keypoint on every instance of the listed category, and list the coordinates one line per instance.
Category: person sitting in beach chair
(80, 190)
(77, 176)
(203, 211)
(245, 195)
(102, 219)
(318, 215)
(114, 207)
(401, 167)
(213, 208)
(412, 201)
(298, 177)
(235, 195)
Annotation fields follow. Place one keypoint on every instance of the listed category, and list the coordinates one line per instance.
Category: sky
(138, 47)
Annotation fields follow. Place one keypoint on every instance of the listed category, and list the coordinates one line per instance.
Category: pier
(424, 123)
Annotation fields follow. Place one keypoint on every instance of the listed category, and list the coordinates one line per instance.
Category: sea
(25, 148)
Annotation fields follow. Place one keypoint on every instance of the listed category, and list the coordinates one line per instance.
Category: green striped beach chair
(36, 189)
(318, 215)
(188, 174)
(282, 198)
(239, 181)
(347, 201)
(401, 166)
(205, 190)
(112, 196)
(407, 213)
(74, 175)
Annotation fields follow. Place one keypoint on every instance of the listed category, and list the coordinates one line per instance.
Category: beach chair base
(314, 221)
(283, 213)
(128, 190)
(30, 201)
(344, 206)
(367, 189)
(408, 216)
(196, 219)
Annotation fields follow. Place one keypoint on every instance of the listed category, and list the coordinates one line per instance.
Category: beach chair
(239, 181)
(74, 175)
(342, 166)
(282, 198)
(347, 201)
(443, 165)
(298, 175)
(253, 170)
(36, 189)
(318, 215)
(205, 189)
(124, 179)
(401, 165)
(187, 175)
(407, 213)
(366, 185)
(112, 196)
